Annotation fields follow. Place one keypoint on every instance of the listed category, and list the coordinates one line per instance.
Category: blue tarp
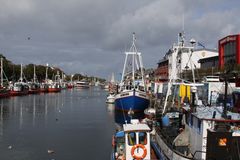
(119, 134)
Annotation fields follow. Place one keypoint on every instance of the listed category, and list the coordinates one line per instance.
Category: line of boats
(174, 131)
(22, 87)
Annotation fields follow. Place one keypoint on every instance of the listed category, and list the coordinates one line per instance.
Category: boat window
(131, 138)
(143, 138)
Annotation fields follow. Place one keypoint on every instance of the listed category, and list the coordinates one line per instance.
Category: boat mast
(141, 68)
(34, 74)
(134, 50)
(1, 72)
(46, 77)
(21, 74)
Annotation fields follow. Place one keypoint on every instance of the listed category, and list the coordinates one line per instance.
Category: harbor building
(229, 50)
(210, 62)
(185, 61)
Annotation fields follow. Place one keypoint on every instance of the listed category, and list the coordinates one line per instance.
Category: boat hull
(18, 93)
(34, 91)
(4, 93)
(131, 100)
(54, 90)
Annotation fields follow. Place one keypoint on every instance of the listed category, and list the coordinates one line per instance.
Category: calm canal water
(75, 124)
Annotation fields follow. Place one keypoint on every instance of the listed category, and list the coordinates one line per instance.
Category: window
(143, 138)
(229, 52)
(131, 138)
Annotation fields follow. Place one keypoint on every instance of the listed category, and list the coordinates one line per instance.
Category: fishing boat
(4, 91)
(19, 88)
(193, 130)
(132, 89)
(133, 142)
(44, 85)
(34, 86)
(53, 86)
(206, 133)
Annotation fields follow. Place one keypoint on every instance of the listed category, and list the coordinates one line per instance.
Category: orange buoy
(136, 156)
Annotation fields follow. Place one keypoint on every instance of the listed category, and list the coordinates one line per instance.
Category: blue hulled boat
(132, 94)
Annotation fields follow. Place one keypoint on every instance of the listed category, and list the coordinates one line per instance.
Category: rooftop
(136, 127)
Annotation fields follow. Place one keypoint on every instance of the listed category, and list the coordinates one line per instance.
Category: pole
(1, 72)
(224, 114)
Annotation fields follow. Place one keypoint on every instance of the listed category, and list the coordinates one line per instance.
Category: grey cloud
(90, 36)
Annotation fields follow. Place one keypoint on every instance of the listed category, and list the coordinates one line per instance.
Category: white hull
(110, 99)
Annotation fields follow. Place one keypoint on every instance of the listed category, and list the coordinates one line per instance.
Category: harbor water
(71, 125)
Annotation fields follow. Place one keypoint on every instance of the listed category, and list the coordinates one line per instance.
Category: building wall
(210, 63)
(163, 70)
(229, 50)
(161, 73)
(196, 56)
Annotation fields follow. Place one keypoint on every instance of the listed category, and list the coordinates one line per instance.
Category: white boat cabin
(137, 140)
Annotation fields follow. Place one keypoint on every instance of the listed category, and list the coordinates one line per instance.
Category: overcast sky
(90, 36)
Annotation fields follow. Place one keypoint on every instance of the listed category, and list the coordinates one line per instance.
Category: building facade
(210, 62)
(184, 61)
(229, 50)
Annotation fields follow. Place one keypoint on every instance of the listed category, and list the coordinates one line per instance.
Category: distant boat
(132, 92)
(19, 88)
(54, 87)
(70, 85)
(4, 92)
(110, 98)
(44, 87)
(82, 84)
(34, 87)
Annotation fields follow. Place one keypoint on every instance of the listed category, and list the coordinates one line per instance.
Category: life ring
(139, 146)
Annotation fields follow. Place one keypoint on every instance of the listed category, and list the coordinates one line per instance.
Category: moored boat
(4, 91)
(34, 86)
(195, 131)
(54, 87)
(82, 84)
(19, 88)
(110, 98)
(132, 92)
(133, 142)
(44, 87)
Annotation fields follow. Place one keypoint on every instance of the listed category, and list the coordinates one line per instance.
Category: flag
(200, 44)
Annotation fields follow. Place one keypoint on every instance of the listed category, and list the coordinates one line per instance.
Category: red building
(229, 50)
(161, 73)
